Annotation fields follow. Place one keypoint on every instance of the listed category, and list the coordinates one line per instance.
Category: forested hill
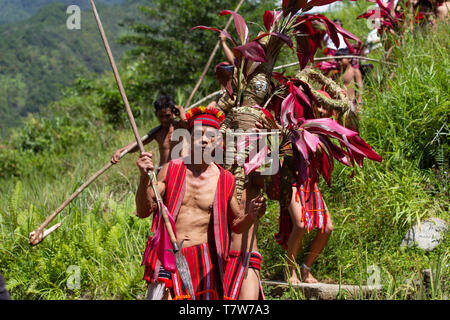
(15, 10)
(39, 55)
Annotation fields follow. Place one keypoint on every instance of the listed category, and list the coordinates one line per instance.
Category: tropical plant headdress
(311, 138)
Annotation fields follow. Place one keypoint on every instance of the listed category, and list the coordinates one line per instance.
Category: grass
(371, 213)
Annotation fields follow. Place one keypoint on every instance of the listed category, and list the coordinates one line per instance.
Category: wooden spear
(211, 57)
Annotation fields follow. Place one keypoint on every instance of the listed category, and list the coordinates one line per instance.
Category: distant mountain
(39, 55)
(16, 10)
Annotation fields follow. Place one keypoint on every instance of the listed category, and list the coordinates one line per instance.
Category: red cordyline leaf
(311, 140)
(310, 39)
(333, 29)
(280, 77)
(239, 22)
(269, 117)
(298, 104)
(292, 6)
(337, 153)
(369, 13)
(270, 18)
(384, 8)
(307, 43)
(348, 137)
(315, 151)
(275, 106)
(226, 34)
(252, 51)
(250, 67)
(317, 3)
(326, 66)
(291, 110)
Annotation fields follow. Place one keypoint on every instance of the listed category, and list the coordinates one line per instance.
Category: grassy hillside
(39, 56)
(46, 159)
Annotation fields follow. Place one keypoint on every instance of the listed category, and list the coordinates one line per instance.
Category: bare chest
(164, 138)
(200, 191)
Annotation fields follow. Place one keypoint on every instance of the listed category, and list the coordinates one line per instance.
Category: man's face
(323, 112)
(165, 116)
(203, 141)
(343, 62)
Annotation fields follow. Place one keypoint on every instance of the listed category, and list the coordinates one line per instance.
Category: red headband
(205, 116)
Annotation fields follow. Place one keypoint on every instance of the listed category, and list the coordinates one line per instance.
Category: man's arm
(240, 221)
(150, 137)
(145, 198)
(228, 53)
(360, 83)
(182, 114)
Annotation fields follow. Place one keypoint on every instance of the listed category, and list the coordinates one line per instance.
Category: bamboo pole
(40, 234)
(334, 58)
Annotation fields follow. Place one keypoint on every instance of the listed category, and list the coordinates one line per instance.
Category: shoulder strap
(175, 186)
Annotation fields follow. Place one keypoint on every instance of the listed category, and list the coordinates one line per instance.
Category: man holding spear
(201, 200)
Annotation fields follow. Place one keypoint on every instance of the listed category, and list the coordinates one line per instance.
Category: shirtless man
(201, 198)
(350, 76)
(236, 287)
(441, 10)
(166, 109)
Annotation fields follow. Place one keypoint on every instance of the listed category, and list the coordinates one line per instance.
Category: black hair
(342, 52)
(338, 21)
(164, 101)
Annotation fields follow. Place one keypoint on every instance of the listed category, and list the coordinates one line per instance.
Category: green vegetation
(52, 153)
(39, 56)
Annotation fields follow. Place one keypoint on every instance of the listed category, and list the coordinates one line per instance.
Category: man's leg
(250, 286)
(319, 242)
(295, 238)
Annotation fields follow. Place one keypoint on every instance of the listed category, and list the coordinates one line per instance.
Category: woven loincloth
(235, 272)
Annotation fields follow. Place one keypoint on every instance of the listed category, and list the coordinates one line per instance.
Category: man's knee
(329, 228)
(298, 226)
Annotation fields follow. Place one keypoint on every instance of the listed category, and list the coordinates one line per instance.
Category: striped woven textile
(201, 270)
(314, 210)
(235, 272)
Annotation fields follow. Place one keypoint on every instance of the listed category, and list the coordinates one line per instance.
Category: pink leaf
(299, 142)
(256, 161)
(311, 140)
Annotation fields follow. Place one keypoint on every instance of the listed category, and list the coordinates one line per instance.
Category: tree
(171, 55)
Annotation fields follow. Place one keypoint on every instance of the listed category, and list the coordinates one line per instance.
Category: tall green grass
(401, 119)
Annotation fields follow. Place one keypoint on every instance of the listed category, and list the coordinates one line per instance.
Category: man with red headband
(200, 197)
